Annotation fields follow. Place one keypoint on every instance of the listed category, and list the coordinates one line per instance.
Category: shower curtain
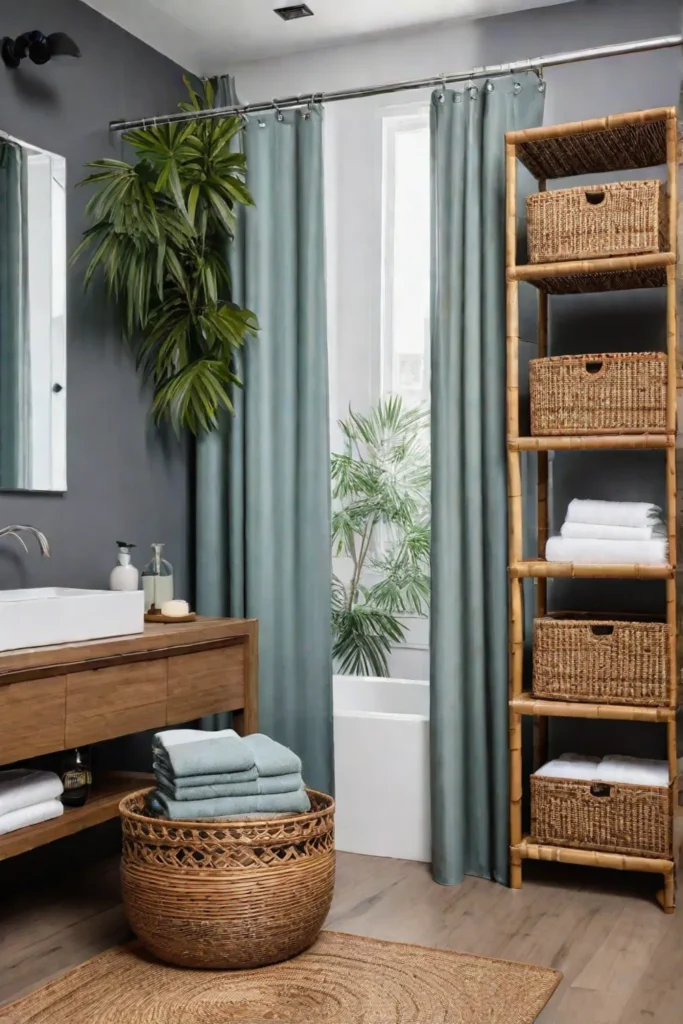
(263, 482)
(469, 759)
(14, 340)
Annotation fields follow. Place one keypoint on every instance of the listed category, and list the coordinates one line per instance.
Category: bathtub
(381, 738)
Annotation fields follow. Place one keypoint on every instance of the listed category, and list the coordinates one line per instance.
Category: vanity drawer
(109, 702)
(32, 718)
(205, 683)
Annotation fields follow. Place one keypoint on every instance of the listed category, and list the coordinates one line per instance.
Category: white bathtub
(381, 737)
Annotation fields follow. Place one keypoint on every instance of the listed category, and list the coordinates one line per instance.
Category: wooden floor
(622, 957)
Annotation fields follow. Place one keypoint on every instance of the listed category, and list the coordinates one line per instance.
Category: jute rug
(341, 980)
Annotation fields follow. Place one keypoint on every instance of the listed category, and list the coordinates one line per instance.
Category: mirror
(33, 267)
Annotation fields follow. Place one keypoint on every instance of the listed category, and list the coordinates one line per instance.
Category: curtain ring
(309, 107)
(279, 116)
(442, 94)
(541, 79)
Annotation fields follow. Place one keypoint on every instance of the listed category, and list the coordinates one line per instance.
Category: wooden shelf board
(529, 850)
(615, 273)
(539, 569)
(588, 442)
(102, 806)
(527, 704)
(606, 144)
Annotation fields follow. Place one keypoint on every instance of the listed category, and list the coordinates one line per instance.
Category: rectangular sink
(45, 616)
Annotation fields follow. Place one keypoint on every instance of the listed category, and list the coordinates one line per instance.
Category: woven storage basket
(224, 894)
(603, 660)
(621, 219)
(599, 394)
(612, 817)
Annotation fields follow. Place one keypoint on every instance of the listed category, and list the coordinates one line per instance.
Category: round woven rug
(343, 979)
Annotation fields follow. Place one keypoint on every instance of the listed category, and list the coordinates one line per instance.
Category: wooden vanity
(56, 698)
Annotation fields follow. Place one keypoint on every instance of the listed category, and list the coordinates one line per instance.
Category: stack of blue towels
(203, 775)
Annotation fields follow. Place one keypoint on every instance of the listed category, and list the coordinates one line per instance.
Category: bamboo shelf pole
(541, 727)
(529, 850)
(528, 705)
(606, 265)
(671, 489)
(516, 624)
(590, 442)
(596, 124)
(576, 570)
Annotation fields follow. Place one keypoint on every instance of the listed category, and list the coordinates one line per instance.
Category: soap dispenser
(125, 576)
(157, 581)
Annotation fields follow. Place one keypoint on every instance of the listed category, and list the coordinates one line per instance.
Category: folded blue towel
(226, 807)
(262, 787)
(183, 752)
(191, 781)
(271, 758)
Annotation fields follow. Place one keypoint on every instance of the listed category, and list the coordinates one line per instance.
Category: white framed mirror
(33, 288)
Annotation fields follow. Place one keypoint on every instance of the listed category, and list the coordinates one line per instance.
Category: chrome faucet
(15, 531)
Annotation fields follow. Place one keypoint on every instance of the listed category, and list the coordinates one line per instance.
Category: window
(406, 255)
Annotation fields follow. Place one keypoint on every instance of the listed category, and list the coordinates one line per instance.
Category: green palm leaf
(160, 229)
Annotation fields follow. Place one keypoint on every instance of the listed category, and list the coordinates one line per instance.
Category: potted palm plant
(161, 229)
(380, 533)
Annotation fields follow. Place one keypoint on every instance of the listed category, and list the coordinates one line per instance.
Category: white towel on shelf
(638, 771)
(607, 552)
(612, 513)
(596, 531)
(578, 768)
(24, 787)
(33, 815)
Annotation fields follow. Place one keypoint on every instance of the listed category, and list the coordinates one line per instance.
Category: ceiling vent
(294, 11)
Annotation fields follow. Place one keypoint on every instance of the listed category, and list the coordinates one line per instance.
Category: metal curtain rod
(535, 64)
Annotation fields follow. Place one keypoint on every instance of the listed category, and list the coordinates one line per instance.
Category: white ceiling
(210, 36)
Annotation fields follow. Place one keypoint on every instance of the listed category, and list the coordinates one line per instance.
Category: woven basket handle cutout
(601, 789)
(601, 631)
(595, 198)
(594, 367)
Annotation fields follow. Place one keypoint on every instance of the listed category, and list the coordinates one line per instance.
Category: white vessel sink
(46, 616)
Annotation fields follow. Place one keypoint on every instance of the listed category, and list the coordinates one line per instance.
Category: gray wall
(124, 480)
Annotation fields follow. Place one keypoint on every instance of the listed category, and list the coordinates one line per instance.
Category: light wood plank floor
(622, 957)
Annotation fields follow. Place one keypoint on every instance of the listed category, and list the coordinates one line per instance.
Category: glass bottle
(76, 778)
(157, 581)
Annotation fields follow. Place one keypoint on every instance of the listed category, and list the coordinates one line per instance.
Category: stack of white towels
(28, 797)
(637, 771)
(610, 532)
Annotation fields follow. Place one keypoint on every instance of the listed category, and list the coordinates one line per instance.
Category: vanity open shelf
(55, 698)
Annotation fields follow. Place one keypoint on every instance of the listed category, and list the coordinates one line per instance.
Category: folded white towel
(25, 816)
(612, 513)
(637, 771)
(596, 531)
(24, 787)
(607, 552)
(580, 768)
(582, 758)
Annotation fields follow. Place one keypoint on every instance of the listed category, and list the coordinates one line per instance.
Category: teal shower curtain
(14, 340)
(469, 769)
(263, 483)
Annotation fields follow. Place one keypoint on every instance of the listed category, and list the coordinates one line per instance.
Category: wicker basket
(223, 894)
(621, 393)
(601, 660)
(621, 219)
(612, 817)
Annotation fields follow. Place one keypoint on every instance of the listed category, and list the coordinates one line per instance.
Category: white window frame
(395, 120)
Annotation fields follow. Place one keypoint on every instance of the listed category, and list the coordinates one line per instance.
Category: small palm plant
(161, 231)
(381, 525)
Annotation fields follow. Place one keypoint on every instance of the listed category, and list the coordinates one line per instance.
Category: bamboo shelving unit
(621, 142)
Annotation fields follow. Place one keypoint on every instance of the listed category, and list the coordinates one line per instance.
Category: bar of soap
(175, 609)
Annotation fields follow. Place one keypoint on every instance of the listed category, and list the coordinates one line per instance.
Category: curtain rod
(490, 71)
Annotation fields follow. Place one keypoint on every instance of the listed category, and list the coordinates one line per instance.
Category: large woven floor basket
(227, 894)
(612, 817)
